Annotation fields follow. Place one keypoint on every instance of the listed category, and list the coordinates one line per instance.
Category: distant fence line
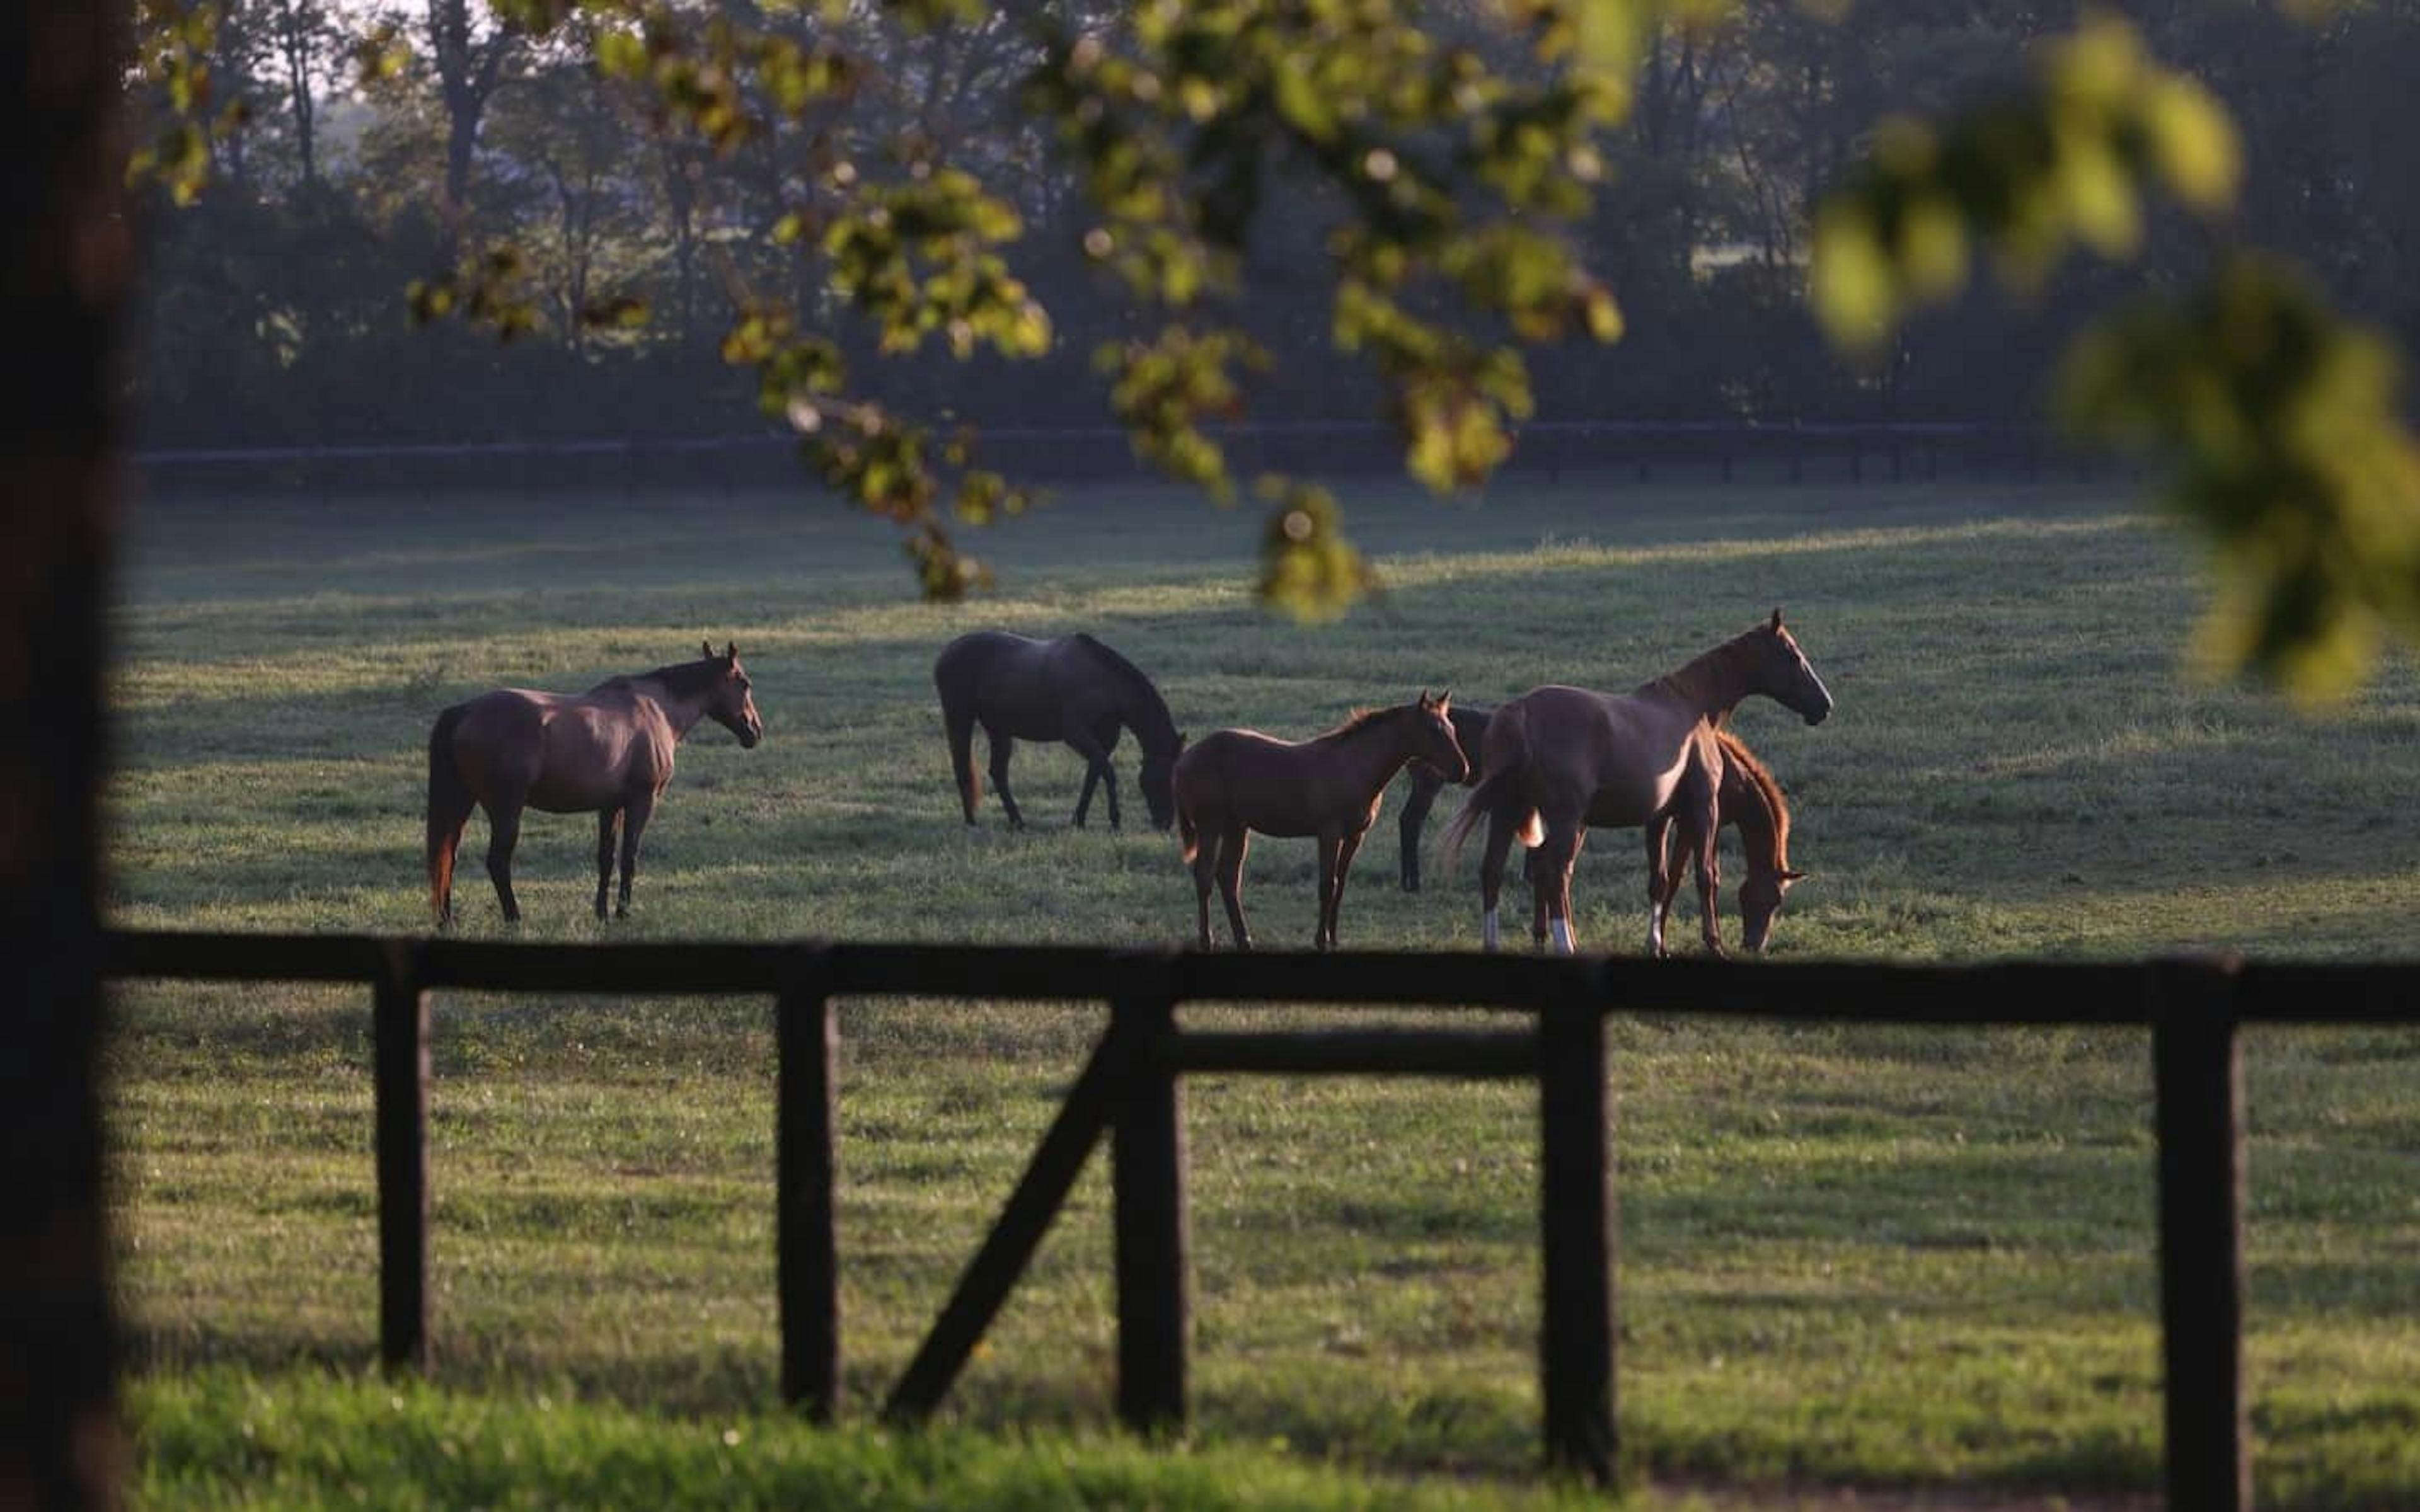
(1547, 1028)
(1728, 450)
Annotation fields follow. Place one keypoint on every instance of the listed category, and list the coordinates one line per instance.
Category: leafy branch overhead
(1230, 200)
(2282, 419)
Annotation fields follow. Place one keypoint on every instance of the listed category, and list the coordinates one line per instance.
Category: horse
(1234, 782)
(1426, 782)
(1558, 759)
(1072, 688)
(608, 751)
(1751, 799)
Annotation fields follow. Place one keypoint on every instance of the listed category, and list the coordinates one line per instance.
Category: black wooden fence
(1132, 1090)
(1851, 452)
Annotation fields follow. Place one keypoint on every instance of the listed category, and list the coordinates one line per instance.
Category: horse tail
(1186, 831)
(1498, 790)
(449, 809)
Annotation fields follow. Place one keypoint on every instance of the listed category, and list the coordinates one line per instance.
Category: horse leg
(1491, 875)
(1533, 873)
(1347, 849)
(1663, 879)
(1231, 847)
(1323, 937)
(961, 728)
(1426, 783)
(634, 823)
(1001, 745)
(1205, 867)
(1709, 876)
(608, 820)
(503, 832)
(1095, 752)
(1553, 882)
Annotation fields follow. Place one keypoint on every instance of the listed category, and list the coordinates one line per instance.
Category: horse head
(1434, 742)
(730, 702)
(1784, 676)
(1158, 781)
(1759, 898)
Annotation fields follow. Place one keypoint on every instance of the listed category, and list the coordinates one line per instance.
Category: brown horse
(1072, 688)
(1558, 759)
(1751, 799)
(608, 751)
(1236, 781)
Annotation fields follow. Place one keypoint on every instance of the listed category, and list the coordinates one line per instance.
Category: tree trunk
(65, 264)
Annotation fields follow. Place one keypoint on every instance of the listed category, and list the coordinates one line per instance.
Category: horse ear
(1444, 700)
(730, 650)
(707, 647)
(1776, 616)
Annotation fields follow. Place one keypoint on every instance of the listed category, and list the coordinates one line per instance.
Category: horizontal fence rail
(1130, 1096)
(1852, 450)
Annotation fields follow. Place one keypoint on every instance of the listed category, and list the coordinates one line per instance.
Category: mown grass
(1849, 1255)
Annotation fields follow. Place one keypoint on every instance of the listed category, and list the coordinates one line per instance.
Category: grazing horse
(608, 751)
(1558, 759)
(1072, 688)
(1234, 782)
(1751, 799)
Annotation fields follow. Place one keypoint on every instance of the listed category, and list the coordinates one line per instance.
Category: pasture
(1849, 1255)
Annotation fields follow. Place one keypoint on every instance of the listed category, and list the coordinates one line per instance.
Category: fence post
(2197, 1077)
(1148, 1185)
(806, 1030)
(1576, 1213)
(399, 1086)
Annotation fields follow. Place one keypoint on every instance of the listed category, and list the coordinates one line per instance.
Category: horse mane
(1358, 720)
(1139, 691)
(1760, 780)
(680, 678)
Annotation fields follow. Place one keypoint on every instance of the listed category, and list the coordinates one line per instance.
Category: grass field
(1850, 1256)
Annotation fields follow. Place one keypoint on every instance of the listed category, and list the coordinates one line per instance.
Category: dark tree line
(278, 314)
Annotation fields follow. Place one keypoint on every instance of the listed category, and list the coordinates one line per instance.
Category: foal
(1234, 782)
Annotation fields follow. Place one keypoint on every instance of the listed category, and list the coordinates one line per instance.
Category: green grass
(1849, 1255)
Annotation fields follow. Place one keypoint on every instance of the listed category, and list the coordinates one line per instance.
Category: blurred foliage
(2064, 161)
(2292, 457)
(1204, 190)
(2290, 453)
(175, 43)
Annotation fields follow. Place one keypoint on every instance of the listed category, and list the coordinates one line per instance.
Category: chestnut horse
(1752, 800)
(1072, 688)
(608, 751)
(1234, 782)
(1558, 759)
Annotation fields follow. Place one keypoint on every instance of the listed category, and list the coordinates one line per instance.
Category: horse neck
(1765, 835)
(1141, 709)
(1373, 751)
(681, 711)
(1713, 684)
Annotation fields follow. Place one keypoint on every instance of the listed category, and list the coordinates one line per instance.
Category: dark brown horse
(1236, 781)
(1072, 688)
(1558, 759)
(1425, 782)
(608, 751)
